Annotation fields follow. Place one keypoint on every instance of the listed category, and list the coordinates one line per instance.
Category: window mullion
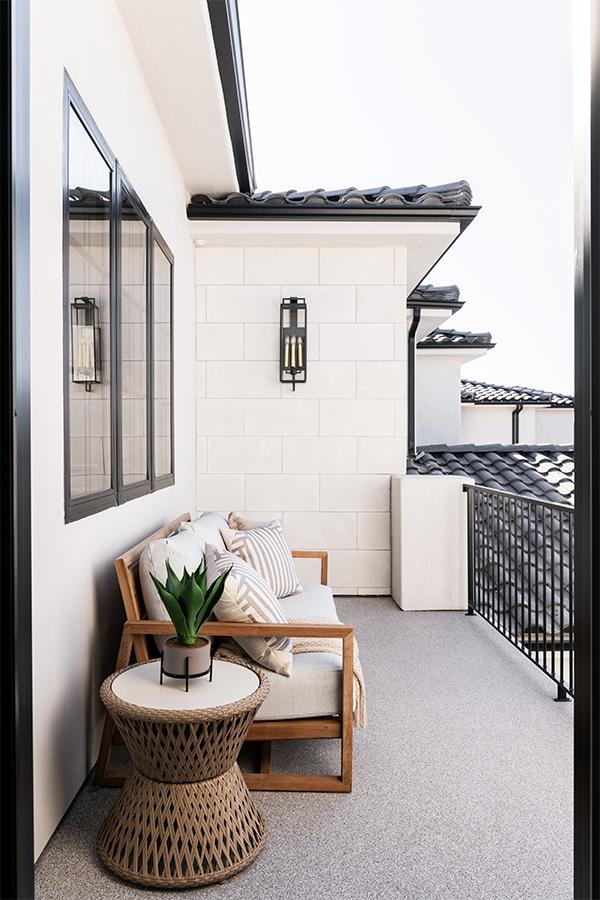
(116, 340)
(150, 352)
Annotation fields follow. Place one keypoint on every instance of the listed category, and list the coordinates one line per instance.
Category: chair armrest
(246, 629)
(314, 554)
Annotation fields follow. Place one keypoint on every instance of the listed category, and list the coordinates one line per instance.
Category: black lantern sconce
(85, 342)
(292, 336)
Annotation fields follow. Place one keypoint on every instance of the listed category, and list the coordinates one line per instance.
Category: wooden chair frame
(137, 629)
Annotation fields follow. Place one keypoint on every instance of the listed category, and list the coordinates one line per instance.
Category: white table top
(141, 686)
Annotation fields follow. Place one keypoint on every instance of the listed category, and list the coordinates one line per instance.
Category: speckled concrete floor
(462, 783)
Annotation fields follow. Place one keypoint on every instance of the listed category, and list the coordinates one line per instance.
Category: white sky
(401, 92)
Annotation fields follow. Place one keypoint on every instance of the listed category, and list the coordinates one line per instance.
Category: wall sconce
(292, 335)
(85, 342)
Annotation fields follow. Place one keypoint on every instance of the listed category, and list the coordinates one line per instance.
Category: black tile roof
(455, 194)
(432, 295)
(480, 392)
(448, 337)
(523, 558)
(544, 472)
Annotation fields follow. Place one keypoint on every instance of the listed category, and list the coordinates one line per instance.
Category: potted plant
(189, 603)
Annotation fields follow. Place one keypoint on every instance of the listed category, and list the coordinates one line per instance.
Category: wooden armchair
(137, 629)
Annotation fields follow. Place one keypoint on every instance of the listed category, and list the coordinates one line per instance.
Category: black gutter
(464, 215)
(453, 305)
(225, 24)
(412, 333)
(543, 403)
(450, 346)
(515, 422)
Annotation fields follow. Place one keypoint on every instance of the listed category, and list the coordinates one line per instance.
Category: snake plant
(188, 600)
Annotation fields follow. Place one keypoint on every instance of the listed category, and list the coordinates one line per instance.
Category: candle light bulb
(293, 352)
(286, 354)
(300, 353)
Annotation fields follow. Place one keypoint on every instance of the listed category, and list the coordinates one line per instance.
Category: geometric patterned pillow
(248, 598)
(266, 550)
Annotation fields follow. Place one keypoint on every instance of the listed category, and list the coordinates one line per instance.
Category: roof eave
(225, 25)
(541, 403)
(455, 347)
(453, 305)
(463, 215)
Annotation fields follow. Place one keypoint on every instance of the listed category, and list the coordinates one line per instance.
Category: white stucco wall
(437, 394)
(429, 541)
(493, 425)
(554, 426)
(486, 425)
(76, 603)
(320, 457)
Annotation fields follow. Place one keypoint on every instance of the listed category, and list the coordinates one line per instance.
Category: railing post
(561, 695)
(470, 551)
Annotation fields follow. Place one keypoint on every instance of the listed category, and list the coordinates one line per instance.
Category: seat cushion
(313, 600)
(315, 687)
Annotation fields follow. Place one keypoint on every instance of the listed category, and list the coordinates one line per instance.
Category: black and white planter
(181, 661)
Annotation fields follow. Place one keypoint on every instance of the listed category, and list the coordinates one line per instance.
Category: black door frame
(587, 456)
(16, 768)
(16, 771)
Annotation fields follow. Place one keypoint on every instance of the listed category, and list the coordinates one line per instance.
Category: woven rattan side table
(184, 817)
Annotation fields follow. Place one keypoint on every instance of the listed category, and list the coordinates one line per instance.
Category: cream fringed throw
(229, 649)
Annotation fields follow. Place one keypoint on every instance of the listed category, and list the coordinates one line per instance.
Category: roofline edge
(227, 38)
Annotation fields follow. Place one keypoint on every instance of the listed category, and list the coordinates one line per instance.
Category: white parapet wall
(429, 541)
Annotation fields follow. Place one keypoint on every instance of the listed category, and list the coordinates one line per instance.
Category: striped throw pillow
(266, 550)
(248, 598)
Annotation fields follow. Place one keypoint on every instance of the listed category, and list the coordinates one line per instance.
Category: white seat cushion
(315, 685)
(312, 600)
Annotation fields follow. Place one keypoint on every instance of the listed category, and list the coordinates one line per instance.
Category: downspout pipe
(515, 422)
(412, 334)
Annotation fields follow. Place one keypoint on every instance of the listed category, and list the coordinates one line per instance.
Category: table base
(181, 835)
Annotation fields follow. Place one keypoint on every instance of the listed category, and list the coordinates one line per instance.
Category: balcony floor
(462, 783)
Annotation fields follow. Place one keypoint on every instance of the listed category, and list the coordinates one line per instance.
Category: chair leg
(347, 711)
(102, 774)
(265, 757)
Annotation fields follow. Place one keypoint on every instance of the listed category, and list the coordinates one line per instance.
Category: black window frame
(88, 505)
(140, 488)
(162, 481)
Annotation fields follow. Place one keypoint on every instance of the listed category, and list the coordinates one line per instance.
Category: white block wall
(320, 457)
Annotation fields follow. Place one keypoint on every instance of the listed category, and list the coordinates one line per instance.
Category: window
(118, 312)
(162, 338)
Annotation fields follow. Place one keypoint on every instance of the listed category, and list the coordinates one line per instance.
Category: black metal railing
(520, 568)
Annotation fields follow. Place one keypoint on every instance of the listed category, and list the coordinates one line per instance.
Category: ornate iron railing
(520, 568)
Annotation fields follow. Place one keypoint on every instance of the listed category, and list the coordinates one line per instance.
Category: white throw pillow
(248, 598)
(183, 550)
(207, 528)
(266, 550)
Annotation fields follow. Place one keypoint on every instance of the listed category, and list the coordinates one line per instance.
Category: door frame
(16, 769)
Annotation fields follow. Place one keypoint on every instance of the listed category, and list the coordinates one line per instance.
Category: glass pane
(89, 314)
(163, 464)
(134, 425)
